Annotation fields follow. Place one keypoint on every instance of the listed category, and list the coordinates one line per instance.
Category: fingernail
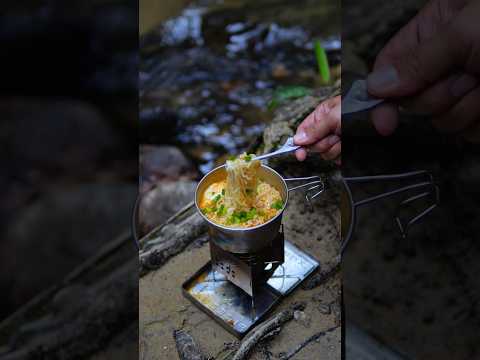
(300, 137)
(382, 79)
(462, 85)
(333, 139)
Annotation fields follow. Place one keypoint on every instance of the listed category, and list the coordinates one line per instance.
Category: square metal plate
(232, 307)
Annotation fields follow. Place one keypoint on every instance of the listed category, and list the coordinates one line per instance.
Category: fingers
(441, 96)
(325, 144)
(321, 130)
(418, 67)
(321, 147)
(463, 117)
(333, 153)
(325, 119)
(385, 119)
(301, 154)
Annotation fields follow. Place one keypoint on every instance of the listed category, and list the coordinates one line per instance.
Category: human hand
(432, 67)
(320, 132)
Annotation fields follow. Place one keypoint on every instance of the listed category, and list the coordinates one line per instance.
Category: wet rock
(164, 163)
(280, 71)
(54, 137)
(57, 232)
(302, 318)
(324, 309)
(158, 204)
(158, 125)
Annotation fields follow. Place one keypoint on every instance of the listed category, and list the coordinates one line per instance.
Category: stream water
(207, 75)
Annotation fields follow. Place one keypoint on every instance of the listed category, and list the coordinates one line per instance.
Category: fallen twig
(314, 337)
(187, 348)
(265, 329)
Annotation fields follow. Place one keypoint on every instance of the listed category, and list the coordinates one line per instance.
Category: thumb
(418, 67)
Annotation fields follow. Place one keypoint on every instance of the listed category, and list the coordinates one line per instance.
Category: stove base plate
(233, 308)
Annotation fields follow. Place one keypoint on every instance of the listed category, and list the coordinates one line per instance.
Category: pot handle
(312, 185)
(428, 188)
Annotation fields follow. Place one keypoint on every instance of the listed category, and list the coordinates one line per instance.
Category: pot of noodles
(243, 202)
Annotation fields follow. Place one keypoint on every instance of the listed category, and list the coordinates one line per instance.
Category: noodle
(241, 183)
(242, 199)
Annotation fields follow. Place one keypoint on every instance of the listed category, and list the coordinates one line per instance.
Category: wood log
(170, 239)
(80, 316)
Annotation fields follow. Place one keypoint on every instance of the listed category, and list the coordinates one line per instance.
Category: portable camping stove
(238, 290)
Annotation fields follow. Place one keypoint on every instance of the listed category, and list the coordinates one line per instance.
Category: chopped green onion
(222, 211)
(216, 198)
(248, 158)
(223, 191)
(277, 205)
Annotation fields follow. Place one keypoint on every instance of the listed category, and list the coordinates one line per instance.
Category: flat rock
(53, 137)
(164, 200)
(164, 163)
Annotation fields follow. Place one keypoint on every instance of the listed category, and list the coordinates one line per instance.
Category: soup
(241, 200)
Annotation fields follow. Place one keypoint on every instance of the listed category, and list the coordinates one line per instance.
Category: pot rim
(279, 214)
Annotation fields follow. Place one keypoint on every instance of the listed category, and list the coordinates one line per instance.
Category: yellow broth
(267, 202)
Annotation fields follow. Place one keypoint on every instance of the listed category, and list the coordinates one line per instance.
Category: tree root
(265, 329)
(299, 347)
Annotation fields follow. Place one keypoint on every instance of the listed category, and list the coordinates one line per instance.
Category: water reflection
(207, 76)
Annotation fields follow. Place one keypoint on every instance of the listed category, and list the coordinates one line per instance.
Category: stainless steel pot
(251, 240)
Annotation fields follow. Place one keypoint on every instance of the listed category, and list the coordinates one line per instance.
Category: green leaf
(217, 197)
(272, 104)
(248, 158)
(322, 62)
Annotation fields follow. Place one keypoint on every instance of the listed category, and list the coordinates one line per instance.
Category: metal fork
(288, 147)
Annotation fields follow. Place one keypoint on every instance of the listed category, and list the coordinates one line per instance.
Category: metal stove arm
(429, 185)
(404, 227)
(314, 186)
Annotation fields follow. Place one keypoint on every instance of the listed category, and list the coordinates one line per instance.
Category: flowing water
(208, 75)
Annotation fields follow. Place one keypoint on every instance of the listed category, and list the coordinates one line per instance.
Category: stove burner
(218, 294)
(248, 271)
